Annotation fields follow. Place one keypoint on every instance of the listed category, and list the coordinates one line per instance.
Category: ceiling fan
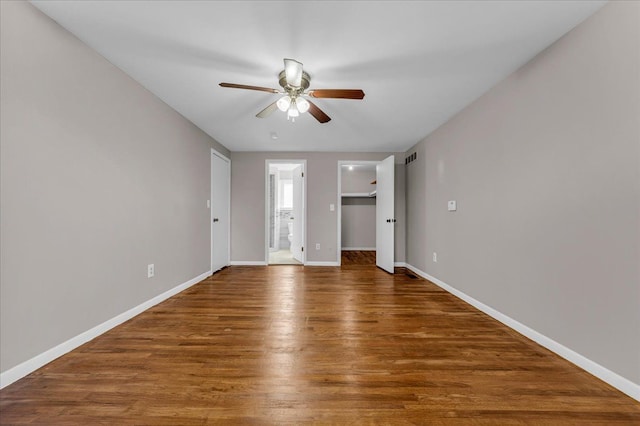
(295, 82)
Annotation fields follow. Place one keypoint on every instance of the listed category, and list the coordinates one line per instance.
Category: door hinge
(302, 174)
(301, 248)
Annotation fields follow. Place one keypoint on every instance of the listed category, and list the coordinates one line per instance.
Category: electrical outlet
(317, 246)
(151, 270)
(435, 257)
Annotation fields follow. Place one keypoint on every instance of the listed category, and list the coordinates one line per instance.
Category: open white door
(297, 215)
(385, 220)
(220, 178)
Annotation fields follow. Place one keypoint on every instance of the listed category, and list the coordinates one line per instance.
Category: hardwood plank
(358, 257)
(292, 345)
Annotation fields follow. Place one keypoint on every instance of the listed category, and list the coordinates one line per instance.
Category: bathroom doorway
(285, 213)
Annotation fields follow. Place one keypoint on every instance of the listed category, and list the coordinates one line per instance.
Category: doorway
(357, 212)
(285, 213)
(220, 213)
(366, 222)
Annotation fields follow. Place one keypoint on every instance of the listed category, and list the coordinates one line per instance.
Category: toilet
(290, 228)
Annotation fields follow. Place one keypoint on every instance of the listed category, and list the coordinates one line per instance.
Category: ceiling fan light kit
(295, 82)
(302, 104)
(284, 103)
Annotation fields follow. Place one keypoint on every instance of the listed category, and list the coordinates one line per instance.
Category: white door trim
(228, 160)
(339, 202)
(303, 163)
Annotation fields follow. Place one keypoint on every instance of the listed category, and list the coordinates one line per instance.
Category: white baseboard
(617, 381)
(400, 264)
(259, 263)
(29, 366)
(359, 248)
(248, 263)
(312, 263)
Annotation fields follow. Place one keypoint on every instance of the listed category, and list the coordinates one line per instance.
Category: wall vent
(411, 158)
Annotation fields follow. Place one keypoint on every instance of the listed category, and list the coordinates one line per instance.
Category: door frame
(303, 163)
(339, 203)
(228, 160)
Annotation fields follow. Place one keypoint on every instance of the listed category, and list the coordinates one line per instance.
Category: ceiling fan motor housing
(291, 90)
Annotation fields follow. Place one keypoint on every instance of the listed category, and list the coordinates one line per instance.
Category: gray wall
(358, 179)
(98, 179)
(546, 171)
(247, 202)
(358, 222)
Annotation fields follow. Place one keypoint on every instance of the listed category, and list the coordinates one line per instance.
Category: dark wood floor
(358, 257)
(293, 345)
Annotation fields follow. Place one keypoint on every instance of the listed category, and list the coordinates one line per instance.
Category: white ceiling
(419, 63)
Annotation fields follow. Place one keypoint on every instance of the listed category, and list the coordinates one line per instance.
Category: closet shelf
(358, 194)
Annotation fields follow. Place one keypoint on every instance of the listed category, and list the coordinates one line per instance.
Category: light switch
(332, 207)
(452, 206)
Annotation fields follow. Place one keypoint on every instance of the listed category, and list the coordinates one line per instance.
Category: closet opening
(357, 212)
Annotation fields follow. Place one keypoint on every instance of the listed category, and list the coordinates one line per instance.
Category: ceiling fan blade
(267, 111)
(318, 113)
(337, 93)
(293, 72)
(244, 86)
